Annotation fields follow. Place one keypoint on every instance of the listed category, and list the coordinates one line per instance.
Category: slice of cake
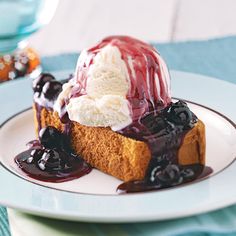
(118, 114)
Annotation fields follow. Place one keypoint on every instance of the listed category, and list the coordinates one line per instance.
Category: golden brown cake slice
(117, 155)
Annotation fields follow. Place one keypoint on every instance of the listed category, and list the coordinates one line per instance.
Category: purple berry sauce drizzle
(164, 132)
(51, 159)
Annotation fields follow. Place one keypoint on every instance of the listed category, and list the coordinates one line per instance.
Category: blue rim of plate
(133, 207)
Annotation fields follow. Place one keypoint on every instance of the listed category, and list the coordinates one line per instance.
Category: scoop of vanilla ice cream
(117, 81)
(108, 74)
(110, 110)
(105, 102)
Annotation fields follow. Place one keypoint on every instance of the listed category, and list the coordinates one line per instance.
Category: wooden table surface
(80, 23)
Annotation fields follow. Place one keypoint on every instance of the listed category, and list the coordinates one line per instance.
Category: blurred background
(63, 26)
(79, 23)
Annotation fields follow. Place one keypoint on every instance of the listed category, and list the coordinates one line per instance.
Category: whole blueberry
(187, 173)
(50, 137)
(180, 114)
(52, 160)
(156, 164)
(170, 176)
(154, 123)
(40, 81)
(51, 89)
(35, 155)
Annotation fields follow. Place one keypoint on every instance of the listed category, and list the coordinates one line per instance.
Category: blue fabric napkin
(214, 58)
(4, 226)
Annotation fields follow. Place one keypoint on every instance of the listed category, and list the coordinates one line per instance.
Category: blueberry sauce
(164, 174)
(164, 132)
(50, 158)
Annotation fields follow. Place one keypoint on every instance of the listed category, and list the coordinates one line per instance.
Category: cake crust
(122, 157)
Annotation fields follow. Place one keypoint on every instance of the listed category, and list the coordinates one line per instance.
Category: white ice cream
(105, 102)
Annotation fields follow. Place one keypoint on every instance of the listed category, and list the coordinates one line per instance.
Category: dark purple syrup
(51, 159)
(163, 177)
(164, 132)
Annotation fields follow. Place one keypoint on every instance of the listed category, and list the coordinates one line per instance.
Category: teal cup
(18, 20)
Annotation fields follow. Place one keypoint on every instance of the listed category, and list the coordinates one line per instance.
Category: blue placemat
(214, 58)
(4, 226)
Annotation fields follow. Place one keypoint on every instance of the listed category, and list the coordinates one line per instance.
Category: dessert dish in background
(18, 64)
(117, 114)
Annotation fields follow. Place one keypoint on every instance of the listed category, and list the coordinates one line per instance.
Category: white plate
(93, 197)
(17, 131)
